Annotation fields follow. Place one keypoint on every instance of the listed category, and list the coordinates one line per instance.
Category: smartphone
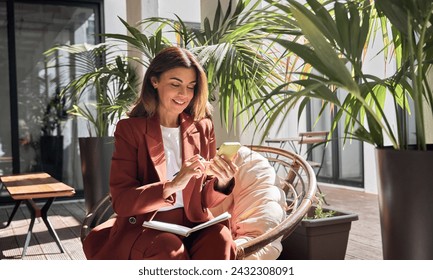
(229, 149)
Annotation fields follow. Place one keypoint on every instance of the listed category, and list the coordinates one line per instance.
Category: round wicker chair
(298, 181)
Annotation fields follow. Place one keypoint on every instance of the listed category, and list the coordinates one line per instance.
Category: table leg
(29, 231)
(44, 215)
(17, 204)
(37, 212)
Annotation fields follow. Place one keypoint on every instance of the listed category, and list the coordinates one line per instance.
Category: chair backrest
(312, 139)
(297, 180)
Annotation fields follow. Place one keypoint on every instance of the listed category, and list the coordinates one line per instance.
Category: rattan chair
(298, 181)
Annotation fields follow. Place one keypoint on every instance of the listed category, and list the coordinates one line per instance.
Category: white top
(173, 157)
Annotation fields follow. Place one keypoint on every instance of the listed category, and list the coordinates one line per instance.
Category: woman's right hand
(194, 166)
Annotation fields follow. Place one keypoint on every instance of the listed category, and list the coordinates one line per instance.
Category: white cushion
(256, 204)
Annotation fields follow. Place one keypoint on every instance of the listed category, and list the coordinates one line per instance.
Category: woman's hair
(169, 58)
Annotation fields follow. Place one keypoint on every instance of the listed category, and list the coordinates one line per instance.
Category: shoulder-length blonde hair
(169, 58)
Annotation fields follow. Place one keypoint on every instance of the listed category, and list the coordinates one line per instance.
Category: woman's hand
(222, 168)
(194, 166)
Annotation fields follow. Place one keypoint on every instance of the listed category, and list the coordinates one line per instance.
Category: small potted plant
(322, 235)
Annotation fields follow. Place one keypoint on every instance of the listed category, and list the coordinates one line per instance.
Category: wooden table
(291, 141)
(26, 187)
(296, 143)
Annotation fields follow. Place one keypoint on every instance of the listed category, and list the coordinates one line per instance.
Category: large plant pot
(52, 155)
(406, 203)
(319, 239)
(95, 153)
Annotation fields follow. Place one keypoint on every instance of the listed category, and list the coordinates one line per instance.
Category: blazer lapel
(191, 146)
(190, 142)
(190, 136)
(155, 146)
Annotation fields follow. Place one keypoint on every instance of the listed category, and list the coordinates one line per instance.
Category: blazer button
(132, 220)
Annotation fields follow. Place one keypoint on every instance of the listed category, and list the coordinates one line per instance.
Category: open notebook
(183, 230)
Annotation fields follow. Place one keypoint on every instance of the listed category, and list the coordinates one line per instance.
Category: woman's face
(175, 88)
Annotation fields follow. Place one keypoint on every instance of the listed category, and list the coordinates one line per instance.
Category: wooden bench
(27, 187)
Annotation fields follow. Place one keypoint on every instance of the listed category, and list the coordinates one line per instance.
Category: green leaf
(323, 50)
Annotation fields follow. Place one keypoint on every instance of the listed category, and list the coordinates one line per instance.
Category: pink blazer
(138, 169)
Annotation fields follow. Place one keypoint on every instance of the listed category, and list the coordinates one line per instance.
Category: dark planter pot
(319, 239)
(406, 203)
(95, 153)
(52, 155)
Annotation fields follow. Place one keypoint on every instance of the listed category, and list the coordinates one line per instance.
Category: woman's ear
(154, 82)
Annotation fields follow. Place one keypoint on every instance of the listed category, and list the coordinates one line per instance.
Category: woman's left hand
(222, 168)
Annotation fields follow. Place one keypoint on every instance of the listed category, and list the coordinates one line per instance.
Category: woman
(163, 153)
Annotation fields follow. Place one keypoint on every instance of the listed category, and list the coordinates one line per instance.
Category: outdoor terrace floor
(364, 239)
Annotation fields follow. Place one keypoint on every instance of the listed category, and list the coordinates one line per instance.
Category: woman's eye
(175, 85)
(191, 87)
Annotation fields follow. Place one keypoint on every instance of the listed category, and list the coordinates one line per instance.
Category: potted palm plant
(331, 39)
(99, 89)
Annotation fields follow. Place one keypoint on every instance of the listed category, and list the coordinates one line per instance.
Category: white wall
(187, 10)
(208, 7)
(113, 9)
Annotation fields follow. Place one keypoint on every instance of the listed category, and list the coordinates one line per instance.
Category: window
(37, 112)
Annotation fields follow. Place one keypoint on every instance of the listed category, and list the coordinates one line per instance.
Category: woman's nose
(182, 90)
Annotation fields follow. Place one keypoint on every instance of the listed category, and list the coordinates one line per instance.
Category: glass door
(35, 132)
(6, 166)
(343, 162)
(48, 140)
(5, 113)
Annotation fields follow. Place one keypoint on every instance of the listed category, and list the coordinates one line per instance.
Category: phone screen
(229, 149)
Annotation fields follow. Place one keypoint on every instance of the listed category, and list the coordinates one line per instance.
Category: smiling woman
(157, 170)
